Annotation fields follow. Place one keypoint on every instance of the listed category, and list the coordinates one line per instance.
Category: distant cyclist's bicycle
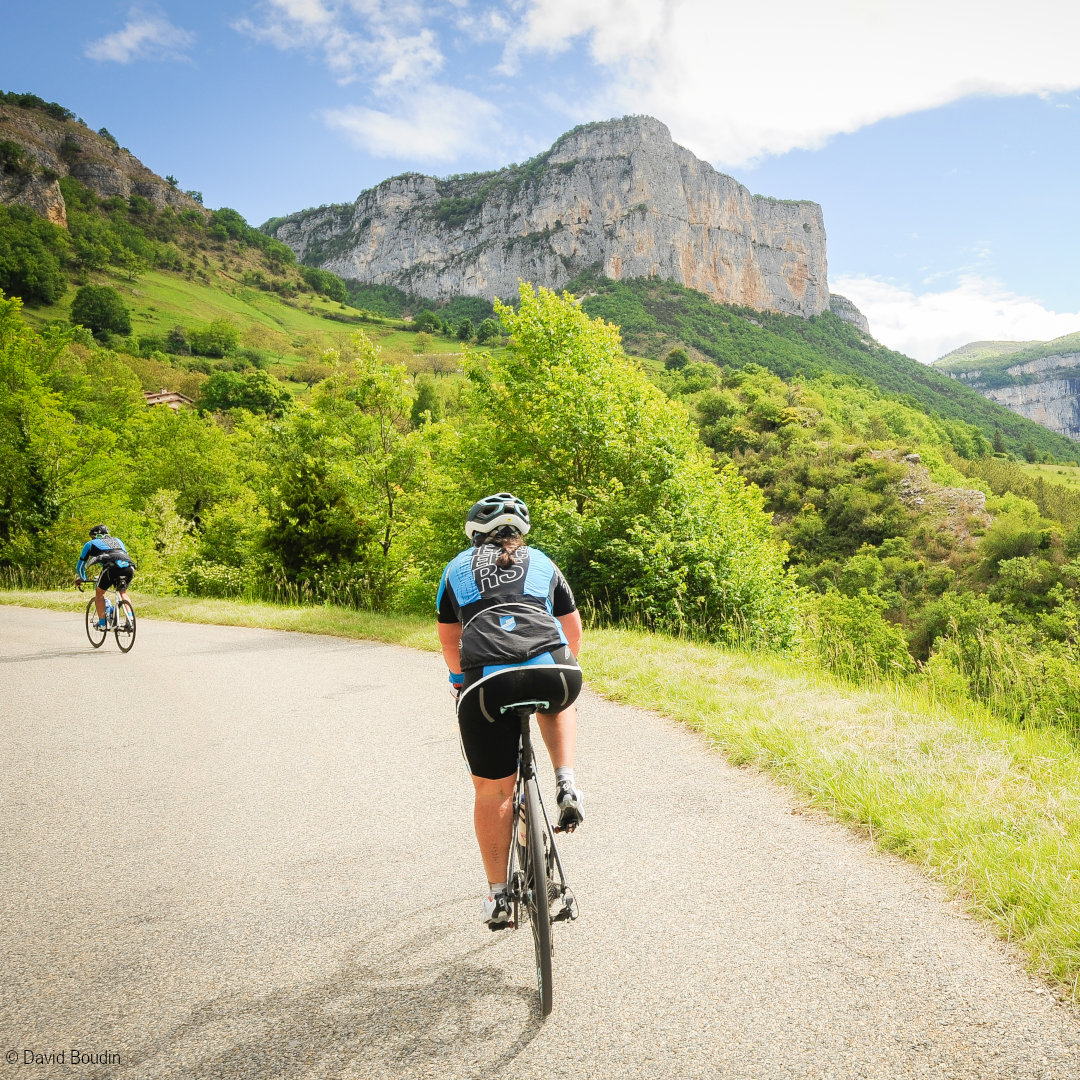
(534, 874)
(119, 619)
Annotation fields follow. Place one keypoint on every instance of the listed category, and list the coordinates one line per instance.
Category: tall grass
(1025, 686)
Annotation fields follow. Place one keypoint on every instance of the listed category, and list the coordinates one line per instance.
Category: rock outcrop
(844, 309)
(40, 149)
(619, 197)
(1054, 403)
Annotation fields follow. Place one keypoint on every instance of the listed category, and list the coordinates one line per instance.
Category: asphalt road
(242, 853)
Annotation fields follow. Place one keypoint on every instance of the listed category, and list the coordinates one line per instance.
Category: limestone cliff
(1054, 403)
(843, 308)
(619, 196)
(1039, 380)
(37, 149)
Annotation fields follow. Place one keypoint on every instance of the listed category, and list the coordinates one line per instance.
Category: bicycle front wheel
(537, 892)
(125, 626)
(97, 636)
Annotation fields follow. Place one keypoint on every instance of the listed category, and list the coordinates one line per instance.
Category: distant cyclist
(117, 567)
(510, 631)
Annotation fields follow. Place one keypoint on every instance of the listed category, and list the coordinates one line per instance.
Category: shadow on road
(405, 1003)
(47, 654)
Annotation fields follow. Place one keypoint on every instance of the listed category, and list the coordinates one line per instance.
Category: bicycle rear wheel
(537, 893)
(97, 637)
(125, 625)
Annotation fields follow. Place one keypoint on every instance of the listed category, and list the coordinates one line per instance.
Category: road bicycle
(534, 873)
(119, 618)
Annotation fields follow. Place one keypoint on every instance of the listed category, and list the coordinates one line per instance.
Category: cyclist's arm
(571, 626)
(562, 605)
(450, 640)
(80, 566)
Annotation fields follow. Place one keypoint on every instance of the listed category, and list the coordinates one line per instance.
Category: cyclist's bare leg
(493, 816)
(99, 602)
(560, 735)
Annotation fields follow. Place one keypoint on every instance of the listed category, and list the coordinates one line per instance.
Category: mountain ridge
(42, 142)
(1039, 380)
(619, 196)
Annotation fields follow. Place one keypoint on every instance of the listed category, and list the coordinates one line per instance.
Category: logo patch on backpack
(508, 622)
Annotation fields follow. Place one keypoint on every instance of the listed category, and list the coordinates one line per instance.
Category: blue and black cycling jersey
(508, 616)
(106, 550)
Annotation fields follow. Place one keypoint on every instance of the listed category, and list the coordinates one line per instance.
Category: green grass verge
(990, 810)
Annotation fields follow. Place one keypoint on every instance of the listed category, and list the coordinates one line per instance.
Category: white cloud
(734, 85)
(147, 36)
(435, 123)
(381, 40)
(930, 324)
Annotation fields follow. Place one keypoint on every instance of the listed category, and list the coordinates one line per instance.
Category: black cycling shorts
(118, 577)
(490, 737)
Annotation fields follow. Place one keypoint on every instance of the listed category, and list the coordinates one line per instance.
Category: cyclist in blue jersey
(510, 631)
(117, 567)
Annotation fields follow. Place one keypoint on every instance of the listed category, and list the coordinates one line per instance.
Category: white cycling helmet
(494, 512)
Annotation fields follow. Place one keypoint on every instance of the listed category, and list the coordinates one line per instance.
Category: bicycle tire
(537, 894)
(125, 635)
(96, 636)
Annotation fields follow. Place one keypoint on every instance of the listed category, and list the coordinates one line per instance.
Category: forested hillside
(655, 315)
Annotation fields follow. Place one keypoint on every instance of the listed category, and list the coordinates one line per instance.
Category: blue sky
(941, 138)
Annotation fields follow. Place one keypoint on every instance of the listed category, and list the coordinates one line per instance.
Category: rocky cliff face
(843, 308)
(46, 149)
(1039, 380)
(619, 196)
(1054, 403)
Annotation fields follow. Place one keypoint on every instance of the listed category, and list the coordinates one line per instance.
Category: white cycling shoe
(571, 804)
(495, 911)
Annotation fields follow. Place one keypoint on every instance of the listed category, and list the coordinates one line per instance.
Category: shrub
(257, 392)
(101, 310)
(427, 405)
(487, 331)
(14, 160)
(325, 283)
(218, 338)
(32, 256)
(851, 638)
(426, 322)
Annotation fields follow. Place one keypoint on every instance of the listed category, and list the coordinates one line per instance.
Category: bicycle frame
(515, 872)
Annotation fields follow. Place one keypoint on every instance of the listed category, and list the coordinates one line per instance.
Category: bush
(325, 283)
(426, 322)
(218, 338)
(32, 254)
(257, 392)
(487, 331)
(101, 310)
(851, 638)
(427, 405)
